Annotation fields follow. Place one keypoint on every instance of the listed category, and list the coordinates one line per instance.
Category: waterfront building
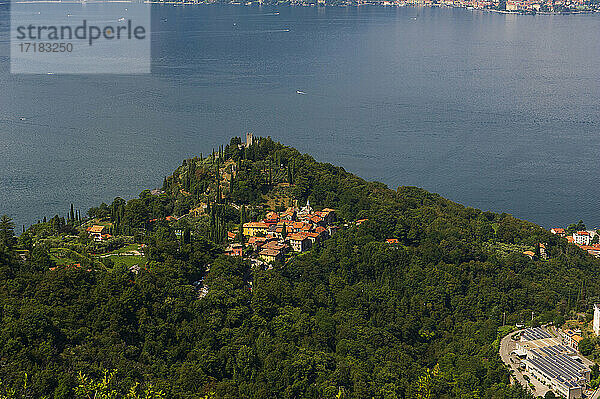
(581, 238)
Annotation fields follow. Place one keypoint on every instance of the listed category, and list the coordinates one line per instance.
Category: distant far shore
(518, 7)
(361, 3)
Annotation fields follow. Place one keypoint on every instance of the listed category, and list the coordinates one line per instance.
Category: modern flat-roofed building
(553, 363)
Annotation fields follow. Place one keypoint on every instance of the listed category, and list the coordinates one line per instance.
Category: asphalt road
(507, 345)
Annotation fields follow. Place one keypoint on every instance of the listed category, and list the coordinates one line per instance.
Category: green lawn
(62, 261)
(128, 261)
(65, 256)
(126, 248)
(119, 259)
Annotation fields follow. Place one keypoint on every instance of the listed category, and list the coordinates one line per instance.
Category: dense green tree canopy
(352, 318)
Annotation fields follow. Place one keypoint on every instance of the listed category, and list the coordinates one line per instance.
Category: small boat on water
(300, 92)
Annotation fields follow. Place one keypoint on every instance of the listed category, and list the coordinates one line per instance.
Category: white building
(306, 210)
(582, 238)
(596, 319)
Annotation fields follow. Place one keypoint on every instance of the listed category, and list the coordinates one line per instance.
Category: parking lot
(507, 345)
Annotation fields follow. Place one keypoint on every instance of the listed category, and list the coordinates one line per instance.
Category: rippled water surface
(498, 112)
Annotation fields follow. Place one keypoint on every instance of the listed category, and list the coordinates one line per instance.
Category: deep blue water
(498, 112)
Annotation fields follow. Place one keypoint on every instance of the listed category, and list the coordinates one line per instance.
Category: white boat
(300, 92)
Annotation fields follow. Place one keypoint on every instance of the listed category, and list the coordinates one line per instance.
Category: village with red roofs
(279, 234)
(584, 239)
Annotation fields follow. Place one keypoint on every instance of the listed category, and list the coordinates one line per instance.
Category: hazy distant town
(501, 6)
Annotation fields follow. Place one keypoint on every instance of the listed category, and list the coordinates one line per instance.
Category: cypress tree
(7, 231)
(241, 233)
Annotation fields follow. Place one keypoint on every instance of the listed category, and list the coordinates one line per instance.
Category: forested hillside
(354, 317)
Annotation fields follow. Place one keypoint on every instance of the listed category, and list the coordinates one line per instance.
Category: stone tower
(249, 139)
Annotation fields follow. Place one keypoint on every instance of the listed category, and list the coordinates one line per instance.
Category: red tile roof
(298, 237)
(272, 216)
(96, 229)
(270, 252)
(256, 225)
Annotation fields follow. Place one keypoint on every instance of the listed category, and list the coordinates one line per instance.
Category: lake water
(498, 112)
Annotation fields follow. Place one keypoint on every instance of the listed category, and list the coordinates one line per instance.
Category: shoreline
(383, 4)
(400, 5)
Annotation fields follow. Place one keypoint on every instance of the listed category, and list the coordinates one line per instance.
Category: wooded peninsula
(257, 272)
